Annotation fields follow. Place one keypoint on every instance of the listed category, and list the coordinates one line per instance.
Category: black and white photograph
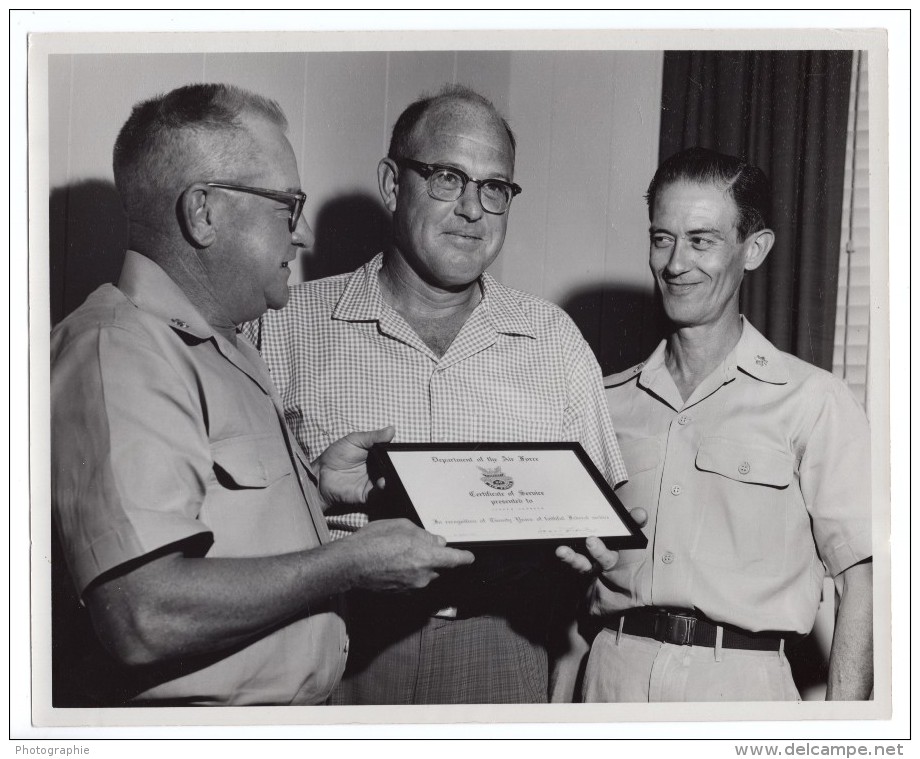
(260, 260)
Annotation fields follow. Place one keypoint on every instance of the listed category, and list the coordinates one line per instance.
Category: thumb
(368, 438)
(639, 516)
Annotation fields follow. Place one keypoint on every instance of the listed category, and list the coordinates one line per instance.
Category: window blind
(851, 336)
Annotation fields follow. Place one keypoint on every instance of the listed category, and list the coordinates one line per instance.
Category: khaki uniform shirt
(163, 433)
(753, 486)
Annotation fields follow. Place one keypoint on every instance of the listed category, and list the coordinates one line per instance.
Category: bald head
(194, 133)
(453, 103)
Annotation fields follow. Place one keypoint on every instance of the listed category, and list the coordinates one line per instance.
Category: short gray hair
(192, 133)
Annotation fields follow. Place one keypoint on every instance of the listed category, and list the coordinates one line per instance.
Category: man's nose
(468, 205)
(303, 236)
(680, 259)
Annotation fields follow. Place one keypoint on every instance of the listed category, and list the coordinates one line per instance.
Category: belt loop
(782, 647)
(620, 627)
(718, 646)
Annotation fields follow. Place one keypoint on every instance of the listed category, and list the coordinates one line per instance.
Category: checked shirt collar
(497, 313)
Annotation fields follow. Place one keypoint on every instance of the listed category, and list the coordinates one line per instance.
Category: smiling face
(449, 244)
(695, 254)
(248, 268)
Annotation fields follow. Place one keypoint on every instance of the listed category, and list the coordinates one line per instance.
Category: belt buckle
(675, 628)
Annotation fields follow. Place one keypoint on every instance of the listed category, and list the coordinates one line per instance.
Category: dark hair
(409, 118)
(188, 133)
(746, 184)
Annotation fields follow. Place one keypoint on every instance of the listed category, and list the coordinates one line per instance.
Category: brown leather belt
(684, 627)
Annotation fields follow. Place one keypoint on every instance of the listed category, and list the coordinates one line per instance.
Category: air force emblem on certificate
(495, 478)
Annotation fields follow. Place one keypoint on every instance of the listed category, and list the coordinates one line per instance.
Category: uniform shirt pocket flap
(250, 461)
(744, 462)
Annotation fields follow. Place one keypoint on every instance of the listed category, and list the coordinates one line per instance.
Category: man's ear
(388, 182)
(196, 215)
(756, 248)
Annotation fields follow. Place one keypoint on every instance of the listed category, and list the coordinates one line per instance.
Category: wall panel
(586, 124)
(105, 87)
(279, 76)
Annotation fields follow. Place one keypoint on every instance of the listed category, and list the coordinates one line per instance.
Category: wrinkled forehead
(685, 194)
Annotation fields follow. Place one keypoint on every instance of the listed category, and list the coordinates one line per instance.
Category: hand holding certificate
(484, 494)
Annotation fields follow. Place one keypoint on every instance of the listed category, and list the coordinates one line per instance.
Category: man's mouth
(464, 236)
(680, 287)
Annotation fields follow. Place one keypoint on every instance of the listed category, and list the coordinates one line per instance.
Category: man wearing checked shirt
(423, 339)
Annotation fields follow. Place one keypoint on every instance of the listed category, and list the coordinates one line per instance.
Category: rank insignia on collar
(761, 361)
(179, 323)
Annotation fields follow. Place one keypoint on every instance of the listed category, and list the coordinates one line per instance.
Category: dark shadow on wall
(349, 230)
(623, 325)
(88, 234)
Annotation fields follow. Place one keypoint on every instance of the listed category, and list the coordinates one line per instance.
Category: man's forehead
(459, 122)
(695, 198)
(271, 151)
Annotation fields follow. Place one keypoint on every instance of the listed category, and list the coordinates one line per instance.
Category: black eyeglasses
(294, 200)
(448, 184)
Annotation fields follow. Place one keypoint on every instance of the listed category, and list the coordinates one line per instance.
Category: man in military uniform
(753, 467)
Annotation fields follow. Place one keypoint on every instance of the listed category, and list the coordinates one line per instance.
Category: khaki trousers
(641, 669)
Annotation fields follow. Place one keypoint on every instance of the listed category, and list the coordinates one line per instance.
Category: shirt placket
(447, 407)
(678, 513)
(681, 499)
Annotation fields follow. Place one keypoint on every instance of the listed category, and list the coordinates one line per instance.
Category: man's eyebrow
(450, 165)
(715, 231)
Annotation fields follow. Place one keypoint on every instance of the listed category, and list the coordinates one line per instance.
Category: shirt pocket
(743, 500)
(252, 505)
(250, 461)
(642, 458)
(744, 462)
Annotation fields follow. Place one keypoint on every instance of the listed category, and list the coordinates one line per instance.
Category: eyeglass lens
(449, 185)
(296, 211)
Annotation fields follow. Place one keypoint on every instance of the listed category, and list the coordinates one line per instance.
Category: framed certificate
(483, 494)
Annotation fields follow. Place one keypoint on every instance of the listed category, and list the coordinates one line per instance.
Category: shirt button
(676, 489)
(667, 557)
(744, 467)
(683, 419)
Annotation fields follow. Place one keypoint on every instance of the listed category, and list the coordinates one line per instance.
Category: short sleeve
(129, 454)
(835, 477)
(587, 418)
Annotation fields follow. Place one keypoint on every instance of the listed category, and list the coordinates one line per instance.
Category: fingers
(454, 557)
(574, 559)
(604, 558)
(599, 558)
(639, 516)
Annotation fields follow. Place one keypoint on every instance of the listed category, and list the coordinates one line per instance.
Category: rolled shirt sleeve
(835, 479)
